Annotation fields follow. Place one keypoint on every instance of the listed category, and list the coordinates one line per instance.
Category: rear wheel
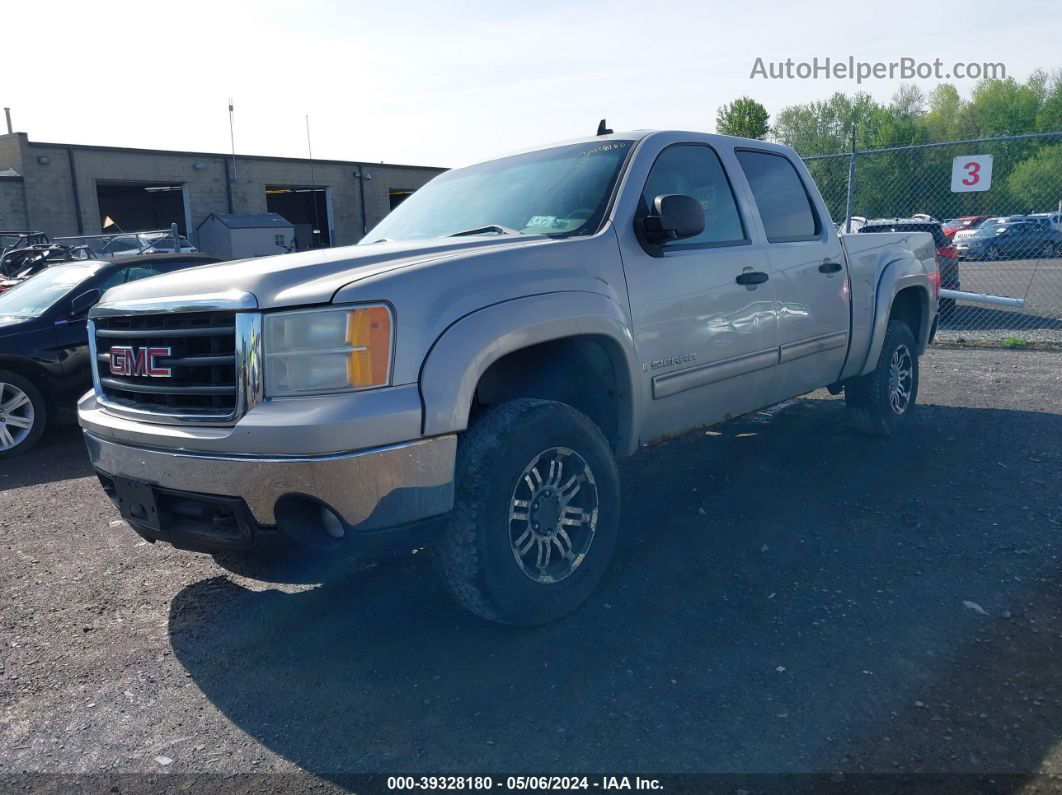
(23, 414)
(536, 513)
(880, 401)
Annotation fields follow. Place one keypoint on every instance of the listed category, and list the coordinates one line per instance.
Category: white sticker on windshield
(541, 220)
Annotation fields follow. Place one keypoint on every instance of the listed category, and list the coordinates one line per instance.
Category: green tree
(909, 101)
(744, 117)
(1049, 119)
(1036, 183)
(943, 120)
(1005, 107)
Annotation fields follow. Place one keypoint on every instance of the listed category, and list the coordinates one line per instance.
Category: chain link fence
(998, 202)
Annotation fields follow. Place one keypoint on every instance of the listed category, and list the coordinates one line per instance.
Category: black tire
(478, 558)
(870, 398)
(9, 383)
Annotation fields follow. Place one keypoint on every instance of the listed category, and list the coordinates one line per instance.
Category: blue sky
(447, 83)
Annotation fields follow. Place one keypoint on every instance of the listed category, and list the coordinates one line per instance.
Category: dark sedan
(44, 358)
(997, 240)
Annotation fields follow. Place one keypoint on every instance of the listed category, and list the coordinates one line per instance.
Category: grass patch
(1015, 342)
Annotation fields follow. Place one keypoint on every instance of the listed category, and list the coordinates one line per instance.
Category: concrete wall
(50, 185)
(12, 204)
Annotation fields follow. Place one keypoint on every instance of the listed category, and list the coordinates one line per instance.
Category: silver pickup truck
(466, 377)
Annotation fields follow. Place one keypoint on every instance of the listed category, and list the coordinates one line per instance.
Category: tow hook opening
(310, 522)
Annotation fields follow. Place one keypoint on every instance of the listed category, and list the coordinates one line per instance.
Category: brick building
(69, 189)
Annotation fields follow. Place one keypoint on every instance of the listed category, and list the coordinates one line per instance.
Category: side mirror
(674, 217)
(84, 302)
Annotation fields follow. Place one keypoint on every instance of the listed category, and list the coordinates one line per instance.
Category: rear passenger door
(807, 269)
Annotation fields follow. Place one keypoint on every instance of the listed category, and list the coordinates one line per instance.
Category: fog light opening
(309, 522)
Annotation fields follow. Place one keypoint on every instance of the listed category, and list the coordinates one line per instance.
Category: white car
(144, 243)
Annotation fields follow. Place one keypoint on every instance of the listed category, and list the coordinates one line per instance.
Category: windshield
(560, 191)
(36, 296)
(990, 228)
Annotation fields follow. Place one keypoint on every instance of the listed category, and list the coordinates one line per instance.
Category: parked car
(970, 231)
(1053, 219)
(44, 351)
(947, 256)
(128, 245)
(14, 238)
(1017, 239)
(19, 264)
(466, 377)
(955, 225)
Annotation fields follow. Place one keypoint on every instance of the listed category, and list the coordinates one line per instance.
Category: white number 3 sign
(970, 173)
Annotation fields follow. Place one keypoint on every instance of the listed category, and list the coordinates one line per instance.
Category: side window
(695, 170)
(137, 272)
(111, 280)
(784, 205)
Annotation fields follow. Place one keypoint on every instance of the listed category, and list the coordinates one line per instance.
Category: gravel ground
(787, 597)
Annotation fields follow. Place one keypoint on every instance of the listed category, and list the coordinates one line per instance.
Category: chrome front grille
(180, 366)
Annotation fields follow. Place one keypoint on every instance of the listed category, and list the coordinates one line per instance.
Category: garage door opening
(305, 208)
(396, 196)
(141, 206)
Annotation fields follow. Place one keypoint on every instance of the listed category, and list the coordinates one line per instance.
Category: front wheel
(881, 400)
(23, 414)
(536, 513)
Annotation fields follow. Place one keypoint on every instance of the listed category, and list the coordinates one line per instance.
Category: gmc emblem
(129, 361)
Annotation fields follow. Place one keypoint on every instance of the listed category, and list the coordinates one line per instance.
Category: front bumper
(369, 490)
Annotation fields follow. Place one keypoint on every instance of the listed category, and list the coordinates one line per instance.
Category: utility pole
(313, 180)
(232, 140)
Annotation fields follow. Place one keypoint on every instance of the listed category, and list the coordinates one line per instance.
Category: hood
(10, 323)
(308, 277)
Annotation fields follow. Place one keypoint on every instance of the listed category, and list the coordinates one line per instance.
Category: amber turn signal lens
(369, 336)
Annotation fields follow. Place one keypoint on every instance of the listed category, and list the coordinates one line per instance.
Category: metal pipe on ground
(981, 298)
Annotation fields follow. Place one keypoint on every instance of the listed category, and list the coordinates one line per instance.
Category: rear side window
(784, 204)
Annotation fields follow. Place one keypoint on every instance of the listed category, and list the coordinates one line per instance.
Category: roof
(251, 220)
(223, 155)
(136, 259)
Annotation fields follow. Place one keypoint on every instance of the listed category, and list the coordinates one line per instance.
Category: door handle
(751, 277)
(830, 267)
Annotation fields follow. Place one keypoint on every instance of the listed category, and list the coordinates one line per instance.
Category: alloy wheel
(901, 379)
(16, 416)
(553, 514)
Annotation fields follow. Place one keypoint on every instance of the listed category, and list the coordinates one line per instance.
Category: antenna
(602, 129)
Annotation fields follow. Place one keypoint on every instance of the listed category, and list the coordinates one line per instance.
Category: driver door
(706, 334)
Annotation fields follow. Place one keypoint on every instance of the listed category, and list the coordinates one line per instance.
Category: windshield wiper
(497, 229)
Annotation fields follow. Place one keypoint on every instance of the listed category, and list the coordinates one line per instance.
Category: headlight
(316, 351)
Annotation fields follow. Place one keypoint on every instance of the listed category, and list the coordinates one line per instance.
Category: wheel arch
(903, 292)
(505, 351)
(35, 375)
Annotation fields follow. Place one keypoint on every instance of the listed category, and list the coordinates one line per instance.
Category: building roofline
(184, 153)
